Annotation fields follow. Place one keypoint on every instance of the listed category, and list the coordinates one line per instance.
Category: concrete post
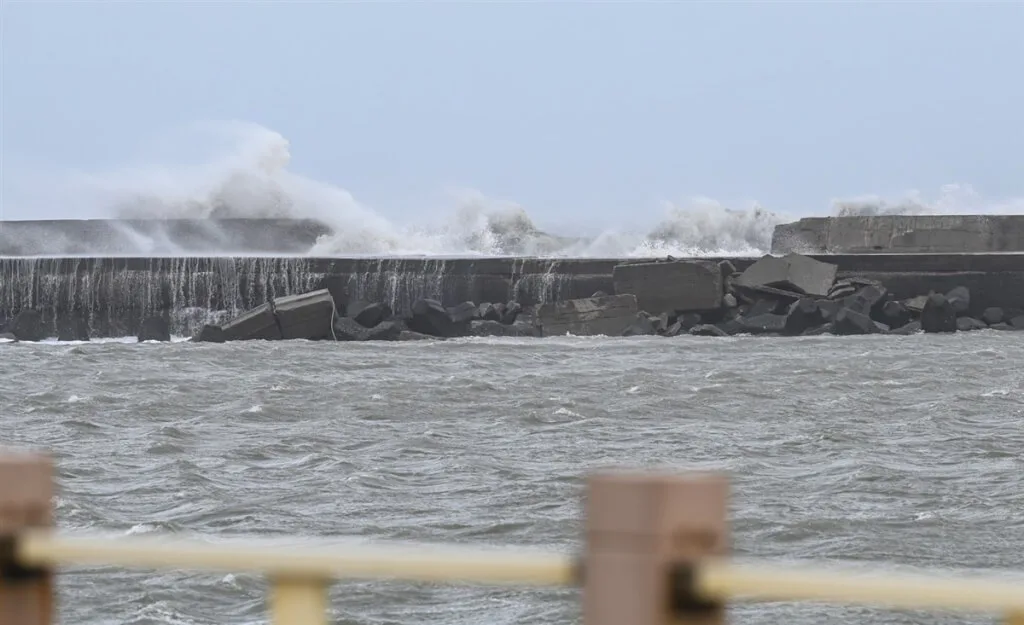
(644, 533)
(26, 490)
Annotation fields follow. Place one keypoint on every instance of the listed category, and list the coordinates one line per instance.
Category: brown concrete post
(26, 490)
(642, 532)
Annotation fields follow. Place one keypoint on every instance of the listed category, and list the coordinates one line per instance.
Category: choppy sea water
(864, 451)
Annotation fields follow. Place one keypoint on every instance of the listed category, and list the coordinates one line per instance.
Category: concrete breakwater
(112, 296)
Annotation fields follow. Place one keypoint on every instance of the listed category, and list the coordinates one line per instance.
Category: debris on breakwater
(790, 295)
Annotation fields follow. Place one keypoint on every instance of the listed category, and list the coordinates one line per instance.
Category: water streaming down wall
(115, 294)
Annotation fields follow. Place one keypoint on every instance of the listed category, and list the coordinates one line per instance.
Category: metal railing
(656, 553)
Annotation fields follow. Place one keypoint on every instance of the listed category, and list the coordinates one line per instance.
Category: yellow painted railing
(656, 553)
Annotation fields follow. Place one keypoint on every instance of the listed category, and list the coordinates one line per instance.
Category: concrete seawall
(115, 294)
(902, 234)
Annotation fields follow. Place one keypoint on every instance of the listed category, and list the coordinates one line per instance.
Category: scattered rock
(512, 310)
(608, 316)
(801, 316)
(726, 268)
(688, 320)
(368, 315)
(938, 314)
(828, 309)
(409, 335)
(155, 329)
(1003, 327)
(491, 312)
(850, 322)
(993, 315)
(210, 333)
(599, 294)
(729, 301)
(1017, 322)
(27, 325)
(767, 323)
(792, 272)
(895, 314)
(960, 298)
(916, 304)
(825, 328)
(431, 318)
(348, 329)
(464, 313)
(967, 324)
(385, 331)
(642, 325)
(8, 337)
(869, 300)
(671, 286)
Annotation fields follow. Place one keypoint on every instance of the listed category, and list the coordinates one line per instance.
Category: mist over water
(243, 172)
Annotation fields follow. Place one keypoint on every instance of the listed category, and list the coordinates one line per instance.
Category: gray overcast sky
(578, 111)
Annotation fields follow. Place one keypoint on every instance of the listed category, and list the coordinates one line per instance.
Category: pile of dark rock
(315, 316)
(792, 295)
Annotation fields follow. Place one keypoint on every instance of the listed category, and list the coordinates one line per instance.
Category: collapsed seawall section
(901, 234)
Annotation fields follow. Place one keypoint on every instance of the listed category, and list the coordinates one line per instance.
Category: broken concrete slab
(258, 323)
(677, 286)
(592, 316)
(305, 316)
(790, 272)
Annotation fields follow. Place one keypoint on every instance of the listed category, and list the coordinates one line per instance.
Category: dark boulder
(209, 333)
(828, 308)
(368, 315)
(27, 325)
(967, 324)
(960, 299)
(155, 329)
(1017, 322)
(490, 312)
(802, 315)
(73, 327)
(938, 314)
(895, 314)
(431, 318)
(993, 315)
(1004, 327)
(867, 301)
(851, 322)
(674, 329)
(707, 330)
(511, 313)
(347, 329)
(385, 331)
(464, 313)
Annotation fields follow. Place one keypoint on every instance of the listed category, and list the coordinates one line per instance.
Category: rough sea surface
(862, 451)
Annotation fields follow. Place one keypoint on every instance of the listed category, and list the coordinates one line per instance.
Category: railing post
(644, 534)
(26, 490)
(298, 601)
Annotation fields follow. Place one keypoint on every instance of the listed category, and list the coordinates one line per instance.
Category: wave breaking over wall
(242, 172)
